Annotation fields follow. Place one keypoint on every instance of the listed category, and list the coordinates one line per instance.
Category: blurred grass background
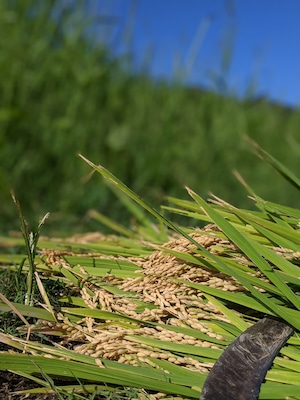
(61, 93)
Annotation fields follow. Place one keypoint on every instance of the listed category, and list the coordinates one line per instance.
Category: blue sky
(190, 37)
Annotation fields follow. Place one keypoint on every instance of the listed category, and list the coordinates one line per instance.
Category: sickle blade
(241, 369)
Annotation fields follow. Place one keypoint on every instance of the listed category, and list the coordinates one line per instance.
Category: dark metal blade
(241, 369)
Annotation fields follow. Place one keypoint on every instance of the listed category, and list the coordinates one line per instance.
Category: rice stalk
(154, 314)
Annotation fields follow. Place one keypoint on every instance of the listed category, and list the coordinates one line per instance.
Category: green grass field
(62, 95)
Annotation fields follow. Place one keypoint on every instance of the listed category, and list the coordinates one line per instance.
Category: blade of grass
(28, 311)
(284, 232)
(108, 222)
(273, 391)
(44, 294)
(176, 347)
(14, 309)
(232, 316)
(278, 166)
(119, 374)
(248, 249)
(268, 303)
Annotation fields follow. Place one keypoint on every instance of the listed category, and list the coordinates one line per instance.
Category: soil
(10, 383)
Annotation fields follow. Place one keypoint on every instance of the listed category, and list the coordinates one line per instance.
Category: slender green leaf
(248, 250)
(29, 311)
(176, 347)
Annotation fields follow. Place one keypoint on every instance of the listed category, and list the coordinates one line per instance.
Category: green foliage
(61, 94)
(257, 248)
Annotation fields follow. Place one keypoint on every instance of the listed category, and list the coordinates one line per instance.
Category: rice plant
(146, 312)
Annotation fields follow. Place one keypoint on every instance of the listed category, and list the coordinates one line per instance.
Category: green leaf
(277, 165)
(29, 311)
(116, 373)
(251, 252)
(176, 347)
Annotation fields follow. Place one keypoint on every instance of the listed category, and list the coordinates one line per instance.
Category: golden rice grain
(161, 286)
